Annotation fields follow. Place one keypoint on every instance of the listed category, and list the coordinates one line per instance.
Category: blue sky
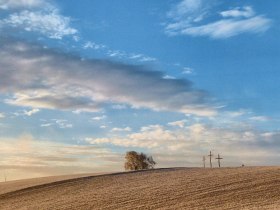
(82, 82)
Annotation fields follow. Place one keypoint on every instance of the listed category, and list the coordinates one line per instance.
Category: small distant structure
(203, 159)
(219, 158)
(210, 155)
(242, 165)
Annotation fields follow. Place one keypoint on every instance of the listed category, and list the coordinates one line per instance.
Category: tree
(138, 161)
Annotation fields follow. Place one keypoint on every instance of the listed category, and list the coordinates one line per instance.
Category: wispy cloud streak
(190, 18)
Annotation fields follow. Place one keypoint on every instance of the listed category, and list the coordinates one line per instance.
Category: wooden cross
(203, 159)
(219, 158)
(210, 159)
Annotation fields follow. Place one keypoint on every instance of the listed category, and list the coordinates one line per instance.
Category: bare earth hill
(173, 188)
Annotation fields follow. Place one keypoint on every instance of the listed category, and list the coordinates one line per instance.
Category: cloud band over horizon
(44, 78)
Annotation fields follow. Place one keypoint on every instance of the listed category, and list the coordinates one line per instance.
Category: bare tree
(138, 161)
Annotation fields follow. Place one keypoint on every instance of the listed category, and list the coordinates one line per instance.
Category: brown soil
(174, 188)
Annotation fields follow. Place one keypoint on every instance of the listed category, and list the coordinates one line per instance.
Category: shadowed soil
(174, 188)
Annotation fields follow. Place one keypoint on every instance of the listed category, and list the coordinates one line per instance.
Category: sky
(83, 82)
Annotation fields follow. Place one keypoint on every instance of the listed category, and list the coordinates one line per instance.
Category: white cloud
(2, 115)
(168, 77)
(147, 59)
(121, 129)
(239, 12)
(30, 112)
(47, 79)
(149, 138)
(190, 143)
(132, 56)
(179, 123)
(119, 106)
(229, 27)
(60, 123)
(187, 16)
(237, 113)
(187, 70)
(98, 118)
(46, 124)
(63, 123)
(26, 112)
(36, 16)
(21, 4)
(76, 38)
(48, 23)
(93, 45)
(187, 8)
(259, 118)
(199, 110)
(116, 53)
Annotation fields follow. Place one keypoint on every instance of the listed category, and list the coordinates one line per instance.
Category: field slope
(174, 188)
